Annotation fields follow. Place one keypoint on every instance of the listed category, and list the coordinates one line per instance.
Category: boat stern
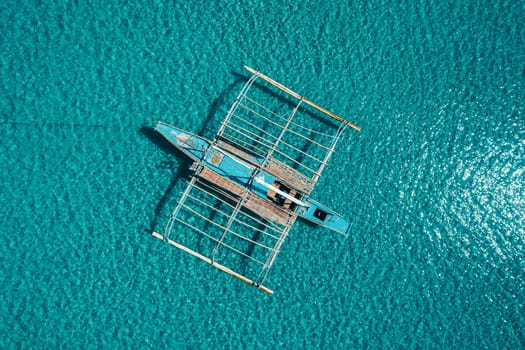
(322, 215)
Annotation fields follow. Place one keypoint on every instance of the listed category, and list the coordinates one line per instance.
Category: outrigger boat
(253, 180)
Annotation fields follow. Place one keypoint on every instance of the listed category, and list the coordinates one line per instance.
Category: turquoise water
(435, 182)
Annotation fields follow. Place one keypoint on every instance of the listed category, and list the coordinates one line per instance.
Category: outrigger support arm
(299, 97)
(211, 262)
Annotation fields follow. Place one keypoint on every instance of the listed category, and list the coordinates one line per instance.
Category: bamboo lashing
(299, 97)
(209, 261)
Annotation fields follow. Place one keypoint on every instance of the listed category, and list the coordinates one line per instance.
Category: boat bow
(190, 144)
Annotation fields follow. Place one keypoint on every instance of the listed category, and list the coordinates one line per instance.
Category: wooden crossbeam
(299, 97)
(213, 263)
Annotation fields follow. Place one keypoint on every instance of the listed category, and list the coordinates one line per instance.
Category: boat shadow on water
(179, 159)
(182, 172)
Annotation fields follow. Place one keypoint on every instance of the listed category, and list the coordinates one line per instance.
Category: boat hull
(251, 177)
(321, 215)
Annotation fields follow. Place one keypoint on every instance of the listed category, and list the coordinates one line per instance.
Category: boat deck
(280, 170)
(252, 202)
(291, 176)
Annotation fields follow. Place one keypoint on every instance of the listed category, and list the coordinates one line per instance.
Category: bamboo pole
(299, 97)
(217, 265)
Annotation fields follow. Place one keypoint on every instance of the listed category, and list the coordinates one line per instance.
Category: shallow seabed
(435, 182)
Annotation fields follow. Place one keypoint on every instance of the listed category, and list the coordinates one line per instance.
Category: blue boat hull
(250, 176)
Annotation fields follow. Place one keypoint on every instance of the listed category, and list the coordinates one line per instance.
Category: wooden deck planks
(267, 210)
(236, 151)
(257, 205)
(289, 175)
(292, 177)
(222, 182)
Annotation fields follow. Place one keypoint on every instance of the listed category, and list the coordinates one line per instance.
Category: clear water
(435, 181)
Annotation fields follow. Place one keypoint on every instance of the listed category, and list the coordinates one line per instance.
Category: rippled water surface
(434, 182)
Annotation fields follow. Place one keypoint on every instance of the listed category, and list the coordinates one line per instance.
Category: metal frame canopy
(268, 128)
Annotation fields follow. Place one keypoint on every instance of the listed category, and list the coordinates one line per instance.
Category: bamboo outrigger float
(254, 179)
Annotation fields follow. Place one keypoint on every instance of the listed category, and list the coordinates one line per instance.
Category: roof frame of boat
(232, 219)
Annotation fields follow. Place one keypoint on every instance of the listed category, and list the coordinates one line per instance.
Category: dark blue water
(435, 181)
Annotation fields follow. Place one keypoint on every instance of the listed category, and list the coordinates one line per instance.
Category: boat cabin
(283, 196)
